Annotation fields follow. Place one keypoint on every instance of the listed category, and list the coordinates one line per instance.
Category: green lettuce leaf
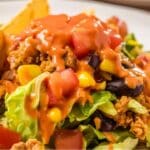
(91, 134)
(122, 134)
(108, 108)
(131, 47)
(80, 113)
(136, 107)
(16, 115)
(128, 144)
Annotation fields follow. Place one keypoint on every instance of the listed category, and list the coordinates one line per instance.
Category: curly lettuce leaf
(17, 117)
(80, 112)
(128, 144)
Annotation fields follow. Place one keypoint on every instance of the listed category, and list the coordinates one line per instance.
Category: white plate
(138, 21)
(139, 3)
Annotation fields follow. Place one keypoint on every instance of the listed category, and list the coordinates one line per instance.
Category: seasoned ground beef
(31, 144)
(125, 118)
(26, 53)
(9, 75)
(121, 105)
(139, 128)
(70, 59)
(47, 66)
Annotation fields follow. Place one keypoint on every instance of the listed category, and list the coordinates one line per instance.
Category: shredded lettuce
(80, 112)
(16, 115)
(91, 134)
(122, 134)
(128, 144)
(136, 107)
(131, 47)
(108, 108)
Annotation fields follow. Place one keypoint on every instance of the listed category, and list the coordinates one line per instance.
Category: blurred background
(143, 4)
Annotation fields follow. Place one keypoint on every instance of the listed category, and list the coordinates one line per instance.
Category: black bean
(97, 76)
(115, 85)
(107, 124)
(94, 60)
(135, 92)
(120, 88)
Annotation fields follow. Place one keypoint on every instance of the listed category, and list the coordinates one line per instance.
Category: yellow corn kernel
(101, 86)
(54, 114)
(108, 66)
(27, 72)
(86, 79)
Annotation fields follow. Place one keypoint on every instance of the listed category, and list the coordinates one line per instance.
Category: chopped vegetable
(131, 48)
(70, 85)
(115, 40)
(54, 114)
(91, 134)
(101, 86)
(128, 143)
(27, 72)
(136, 107)
(8, 138)
(108, 108)
(108, 66)
(17, 117)
(85, 79)
(68, 139)
(80, 112)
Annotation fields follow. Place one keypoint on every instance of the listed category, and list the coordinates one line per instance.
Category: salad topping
(77, 82)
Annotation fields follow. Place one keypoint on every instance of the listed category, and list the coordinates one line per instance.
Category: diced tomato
(115, 40)
(54, 88)
(88, 40)
(69, 139)
(142, 60)
(81, 43)
(56, 85)
(69, 81)
(61, 84)
(51, 97)
(119, 24)
(8, 138)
